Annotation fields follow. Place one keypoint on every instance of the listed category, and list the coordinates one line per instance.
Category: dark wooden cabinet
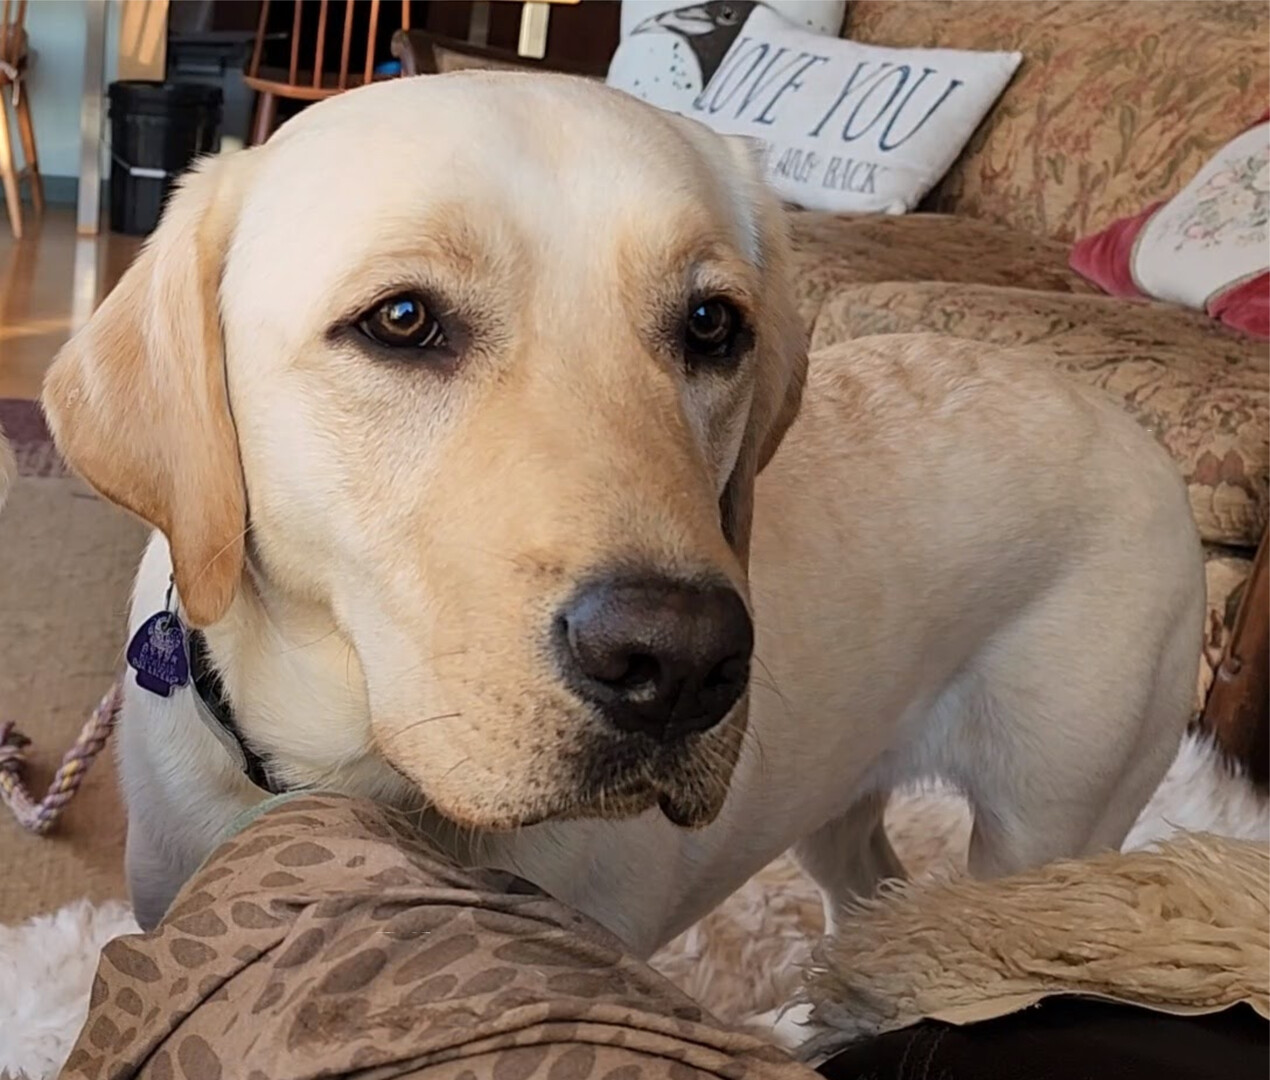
(582, 37)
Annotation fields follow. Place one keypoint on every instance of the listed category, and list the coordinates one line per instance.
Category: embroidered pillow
(669, 50)
(850, 127)
(1208, 247)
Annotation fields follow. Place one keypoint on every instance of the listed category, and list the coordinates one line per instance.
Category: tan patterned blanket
(324, 938)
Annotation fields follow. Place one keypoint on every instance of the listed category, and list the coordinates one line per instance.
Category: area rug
(66, 565)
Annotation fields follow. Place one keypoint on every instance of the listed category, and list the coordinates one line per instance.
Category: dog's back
(1004, 565)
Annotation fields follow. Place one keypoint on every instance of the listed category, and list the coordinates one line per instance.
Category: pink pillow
(1208, 247)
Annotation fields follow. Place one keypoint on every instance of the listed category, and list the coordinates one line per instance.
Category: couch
(1117, 104)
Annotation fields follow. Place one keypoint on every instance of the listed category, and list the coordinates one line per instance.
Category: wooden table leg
(1238, 708)
(88, 209)
(266, 118)
(9, 171)
(30, 158)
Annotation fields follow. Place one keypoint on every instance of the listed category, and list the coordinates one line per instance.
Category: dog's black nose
(656, 656)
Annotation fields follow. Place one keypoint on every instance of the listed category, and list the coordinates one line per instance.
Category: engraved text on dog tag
(158, 654)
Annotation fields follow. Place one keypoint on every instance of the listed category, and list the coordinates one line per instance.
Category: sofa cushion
(830, 252)
(1200, 388)
(670, 49)
(1116, 105)
(844, 126)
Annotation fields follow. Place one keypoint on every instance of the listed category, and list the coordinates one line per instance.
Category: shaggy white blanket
(47, 964)
(46, 971)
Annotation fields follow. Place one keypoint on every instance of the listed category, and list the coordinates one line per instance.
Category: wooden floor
(50, 282)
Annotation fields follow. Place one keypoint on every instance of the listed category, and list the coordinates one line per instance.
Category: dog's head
(482, 367)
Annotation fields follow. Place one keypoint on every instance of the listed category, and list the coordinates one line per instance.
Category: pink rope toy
(39, 817)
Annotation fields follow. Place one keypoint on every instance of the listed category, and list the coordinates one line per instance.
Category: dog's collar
(216, 712)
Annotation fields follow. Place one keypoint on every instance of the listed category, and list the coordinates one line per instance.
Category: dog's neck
(295, 686)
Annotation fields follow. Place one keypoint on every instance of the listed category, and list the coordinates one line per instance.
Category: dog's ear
(137, 399)
(781, 341)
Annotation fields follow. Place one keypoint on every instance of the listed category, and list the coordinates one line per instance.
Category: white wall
(56, 32)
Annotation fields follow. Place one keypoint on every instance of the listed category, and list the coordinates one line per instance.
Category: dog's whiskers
(502, 556)
(241, 534)
(425, 720)
(715, 762)
(330, 776)
(465, 760)
(302, 645)
(770, 683)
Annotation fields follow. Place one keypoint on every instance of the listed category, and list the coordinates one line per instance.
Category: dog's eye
(402, 322)
(711, 329)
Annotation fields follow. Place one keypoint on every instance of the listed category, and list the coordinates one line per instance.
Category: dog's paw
(788, 1026)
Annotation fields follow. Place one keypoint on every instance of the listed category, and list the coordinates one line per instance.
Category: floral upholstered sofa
(1116, 105)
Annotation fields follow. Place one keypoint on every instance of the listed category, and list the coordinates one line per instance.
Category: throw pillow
(850, 127)
(670, 50)
(1208, 247)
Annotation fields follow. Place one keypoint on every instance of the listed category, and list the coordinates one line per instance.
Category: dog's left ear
(780, 340)
(137, 399)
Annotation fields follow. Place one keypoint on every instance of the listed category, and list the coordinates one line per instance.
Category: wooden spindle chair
(300, 83)
(13, 68)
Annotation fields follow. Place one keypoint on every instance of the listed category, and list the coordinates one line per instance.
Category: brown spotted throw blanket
(326, 939)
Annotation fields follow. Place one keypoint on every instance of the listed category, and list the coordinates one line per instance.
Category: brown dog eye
(403, 322)
(711, 329)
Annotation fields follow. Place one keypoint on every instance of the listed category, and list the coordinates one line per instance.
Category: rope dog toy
(40, 817)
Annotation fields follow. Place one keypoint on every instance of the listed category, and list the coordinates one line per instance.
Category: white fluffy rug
(741, 960)
(46, 971)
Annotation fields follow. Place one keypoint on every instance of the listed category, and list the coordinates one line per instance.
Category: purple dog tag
(158, 654)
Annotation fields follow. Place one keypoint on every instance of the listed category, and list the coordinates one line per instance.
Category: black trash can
(156, 132)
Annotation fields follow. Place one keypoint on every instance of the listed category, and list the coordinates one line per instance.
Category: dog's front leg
(849, 856)
(154, 878)
(846, 857)
(181, 793)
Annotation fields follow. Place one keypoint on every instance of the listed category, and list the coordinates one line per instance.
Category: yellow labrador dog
(447, 407)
